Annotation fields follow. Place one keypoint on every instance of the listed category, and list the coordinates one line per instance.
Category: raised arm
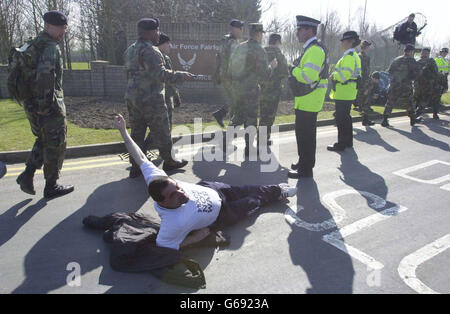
(134, 150)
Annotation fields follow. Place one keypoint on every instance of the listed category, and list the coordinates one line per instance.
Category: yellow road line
(90, 161)
(75, 168)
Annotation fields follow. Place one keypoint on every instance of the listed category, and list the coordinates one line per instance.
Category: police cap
(303, 21)
(236, 23)
(56, 18)
(444, 50)
(426, 49)
(273, 38)
(350, 35)
(148, 24)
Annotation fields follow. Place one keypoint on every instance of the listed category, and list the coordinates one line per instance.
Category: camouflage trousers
(423, 95)
(245, 109)
(402, 96)
(154, 116)
(268, 108)
(50, 146)
(149, 141)
(363, 101)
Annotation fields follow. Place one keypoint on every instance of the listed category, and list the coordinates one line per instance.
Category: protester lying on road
(188, 211)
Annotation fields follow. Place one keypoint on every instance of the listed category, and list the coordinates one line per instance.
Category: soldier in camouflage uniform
(246, 85)
(363, 100)
(425, 83)
(46, 111)
(404, 71)
(145, 96)
(271, 89)
(172, 94)
(221, 77)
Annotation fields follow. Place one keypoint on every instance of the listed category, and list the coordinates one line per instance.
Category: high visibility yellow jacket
(346, 74)
(308, 72)
(443, 65)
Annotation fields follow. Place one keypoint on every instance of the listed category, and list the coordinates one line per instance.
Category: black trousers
(306, 133)
(241, 202)
(344, 123)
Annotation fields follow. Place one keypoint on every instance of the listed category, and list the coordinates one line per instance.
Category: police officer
(308, 81)
(145, 98)
(363, 100)
(46, 111)
(221, 77)
(425, 83)
(404, 71)
(345, 78)
(249, 67)
(442, 87)
(272, 88)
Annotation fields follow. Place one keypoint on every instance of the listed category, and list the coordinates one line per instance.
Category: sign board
(197, 57)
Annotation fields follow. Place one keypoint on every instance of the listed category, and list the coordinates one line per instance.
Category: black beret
(306, 21)
(56, 18)
(410, 47)
(148, 24)
(236, 23)
(163, 38)
(350, 35)
(256, 28)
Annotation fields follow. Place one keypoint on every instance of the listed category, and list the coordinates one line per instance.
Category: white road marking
(404, 173)
(336, 238)
(408, 266)
(338, 215)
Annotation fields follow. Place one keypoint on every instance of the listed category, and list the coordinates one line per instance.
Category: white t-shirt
(200, 212)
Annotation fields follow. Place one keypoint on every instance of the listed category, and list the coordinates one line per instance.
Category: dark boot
(413, 120)
(53, 190)
(172, 164)
(436, 116)
(366, 121)
(25, 180)
(385, 122)
(135, 172)
(219, 116)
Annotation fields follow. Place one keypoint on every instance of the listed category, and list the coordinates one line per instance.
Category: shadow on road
(419, 136)
(10, 222)
(372, 137)
(329, 270)
(45, 264)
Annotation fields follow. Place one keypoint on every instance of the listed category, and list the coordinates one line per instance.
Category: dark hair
(356, 43)
(376, 75)
(156, 187)
(412, 15)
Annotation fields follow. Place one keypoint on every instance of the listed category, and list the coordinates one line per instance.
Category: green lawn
(80, 66)
(16, 134)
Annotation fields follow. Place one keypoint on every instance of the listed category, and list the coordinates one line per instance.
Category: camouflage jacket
(280, 72)
(365, 69)
(48, 95)
(147, 74)
(171, 89)
(429, 72)
(227, 45)
(256, 69)
(403, 70)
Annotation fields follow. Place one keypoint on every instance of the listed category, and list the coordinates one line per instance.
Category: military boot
(385, 122)
(219, 116)
(366, 121)
(53, 190)
(413, 120)
(135, 172)
(436, 116)
(172, 164)
(25, 180)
